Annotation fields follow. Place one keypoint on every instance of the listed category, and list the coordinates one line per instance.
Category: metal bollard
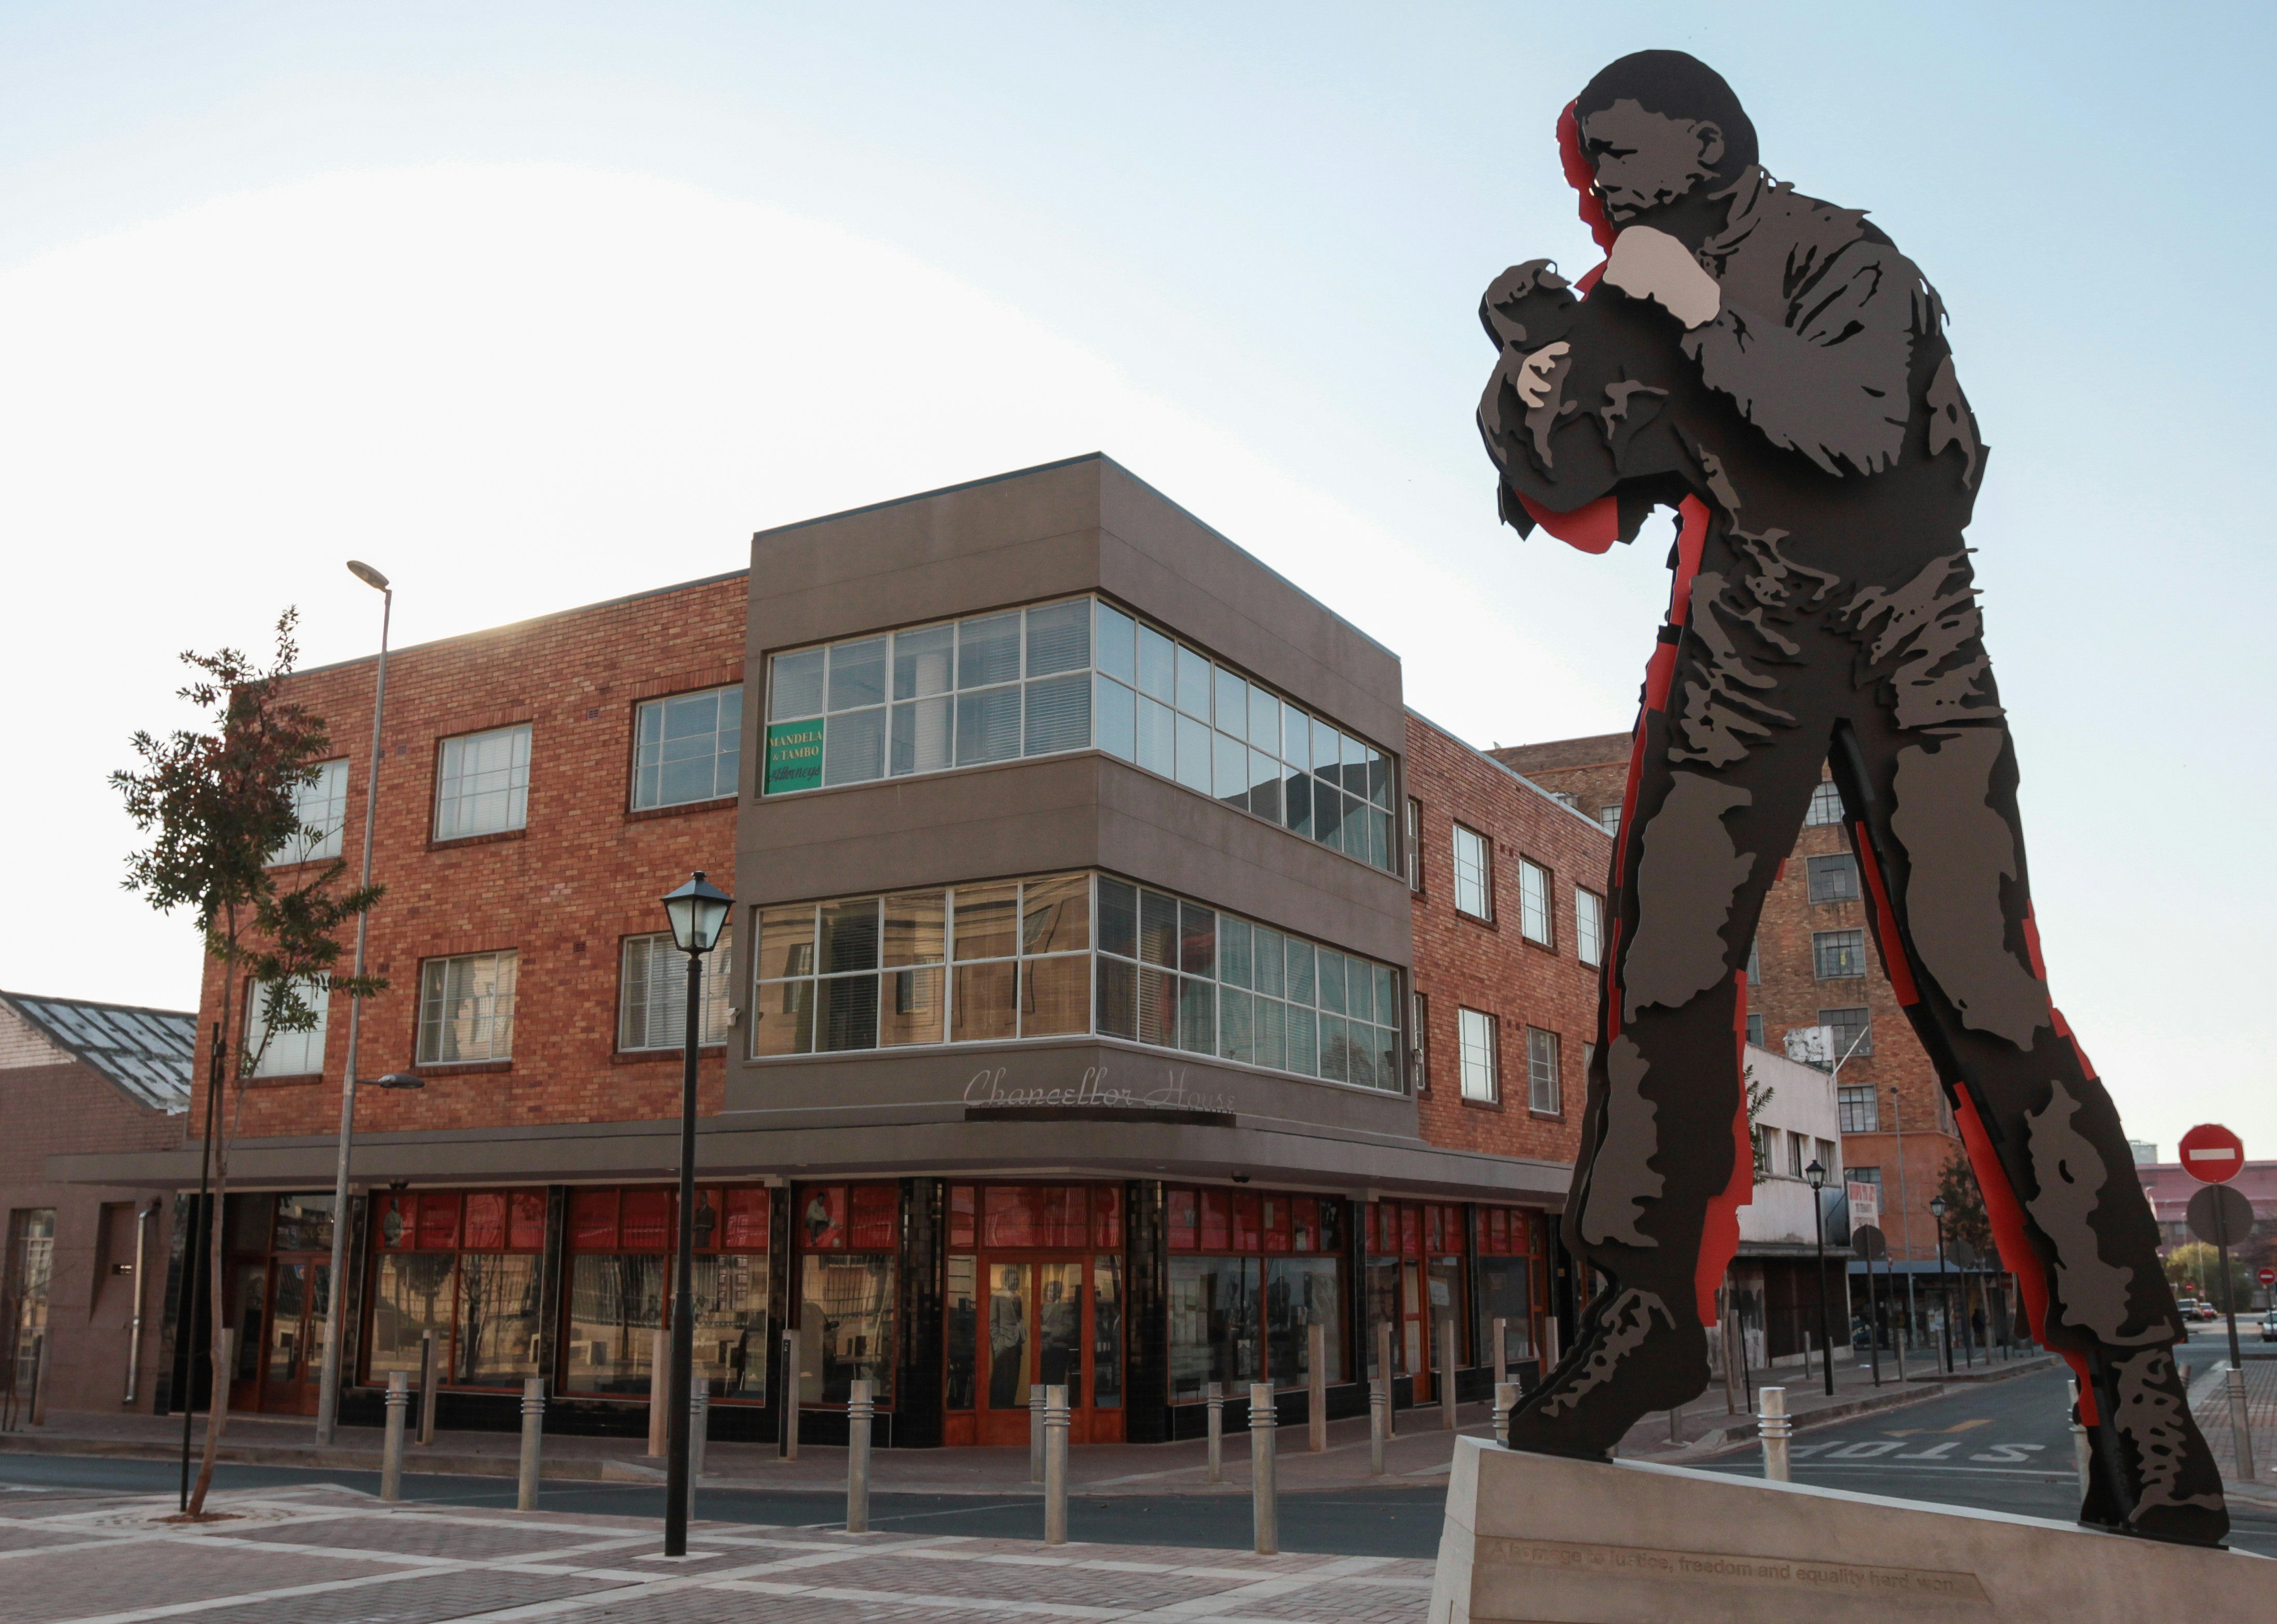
(1056, 1417)
(1215, 1404)
(1549, 1350)
(1447, 1376)
(1379, 1423)
(787, 1445)
(1035, 1432)
(429, 1378)
(699, 1428)
(39, 1407)
(1675, 1425)
(390, 1462)
(1505, 1401)
(861, 1408)
(2082, 1451)
(1383, 1370)
(1775, 1429)
(533, 1441)
(2234, 1379)
(659, 1395)
(1501, 1358)
(1316, 1393)
(1264, 1514)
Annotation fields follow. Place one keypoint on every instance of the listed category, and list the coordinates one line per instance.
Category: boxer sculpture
(1773, 369)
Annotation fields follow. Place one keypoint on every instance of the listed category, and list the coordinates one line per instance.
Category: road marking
(2005, 1452)
(1964, 1426)
(1936, 1451)
(1863, 1451)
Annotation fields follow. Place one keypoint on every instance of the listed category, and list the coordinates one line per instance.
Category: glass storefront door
(1054, 1321)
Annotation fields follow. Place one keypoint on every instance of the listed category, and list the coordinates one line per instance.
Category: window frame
(1419, 1015)
(1411, 842)
(1538, 1038)
(1833, 863)
(297, 848)
(717, 993)
(1589, 928)
(1470, 1025)
(1825, 808)
(320, 997)
(1830, 946)
(1847, 1096)
(1537, 893)
(1484, 868)
(438, 964)
(1841, 1046)
(633, 765)
(443, 747)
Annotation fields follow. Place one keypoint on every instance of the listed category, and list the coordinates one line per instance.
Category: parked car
(2269, 1326)
(2207, 1311)
(2187, 1307)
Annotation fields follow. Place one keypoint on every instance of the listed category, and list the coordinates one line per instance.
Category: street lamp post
(1816, 1173)
(1905, 1211)
(328, 1389)
(1944, 1297)
(697, 911)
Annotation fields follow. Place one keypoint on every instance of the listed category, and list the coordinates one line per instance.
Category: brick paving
(328, 1555)
(2210, 1403)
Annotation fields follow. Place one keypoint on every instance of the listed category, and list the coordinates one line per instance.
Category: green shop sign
(793, 755)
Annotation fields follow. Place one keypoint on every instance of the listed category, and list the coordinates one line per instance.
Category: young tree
(219, 805)
(2193, 1269)
(1759, 1095)
(1964, 1207)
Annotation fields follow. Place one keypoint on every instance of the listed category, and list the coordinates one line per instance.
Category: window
(1412, 843)
(621, 1245)
(1476, 1032)
(1533, 921)
(1838, 953)
(1755, 963)
(1473, 874)
(321, 805)
(1245, 1315)
(1826, 804)
(1588, 926)
(1756, 1030)
(851, 1237)
(1420, 1015)
(1022, 1303)
(1850, 1026)
(1065, 955)
(1766, 1150)
(1864, 1174)
(466, 1009)
(1562, 798)
(1830, 1158)
(465, 1265)
(30, 1268)
(1798, 1146)
(687, 747)
(1076, 674)
(284, 1052)
(1541, 1080)
(484, 786)
(1833, 879)
(1860, 1104)
(652, 1011)
(1610, 817)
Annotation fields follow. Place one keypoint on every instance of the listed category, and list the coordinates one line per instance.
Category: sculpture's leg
(1938, 838)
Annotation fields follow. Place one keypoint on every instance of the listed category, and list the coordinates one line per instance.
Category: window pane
(320, 806)
(1194, 750)
(1328, 751)
(1114, 634)
(989, 650)
(1158, 735)
(986, 916)
(858, 674)
(1297, 803)
(848, 1011)
(1534, 901)
(1117, 718)
(985, 1003)
(1303, 1035)
(846, 1311)
(1059, 715)
(987, 725)
(1379, 778)
(1833, 879)
(1214, 1313)
(1158, 929)
(1264, 786)
(915, 928)
(687, 748)
(1197, 940)
(1300, 1293)
(1327, 815)
(1333, 1064)
(1118, 917)
(287, 1053)
(1232, 705)
(1476, 1034)
(1329, 979)
(1158, 1008)
(1059, 637)
(1360, 992)
(797, 685)
(1197, 1014)
(782, 1019)
(1266, 1015)
(466, 1010)
(1235, 1027)
(1267, 958)
(910, 1006)
(1055, 995)
(731, 1325)
(1230, 778)
(1839, 953)
(1296, 738)
(484, 785)
(1056, 914)
(1158, 664)
(924, 661)
(1299, 958)
(853, 752)
(1233, 955)
(1588, 926)
(1264, 721)
(1193, 685)
(786, 941)
(850, 934)
(616, 1306)
(924, 737)
(1118, 998)
(497, 1319)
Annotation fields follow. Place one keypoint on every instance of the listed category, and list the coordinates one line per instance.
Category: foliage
(2193, 1269)
(1964, 1208)
(220, 807)
(1759, 1095)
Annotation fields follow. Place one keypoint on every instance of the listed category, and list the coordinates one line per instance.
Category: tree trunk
(217, 1403)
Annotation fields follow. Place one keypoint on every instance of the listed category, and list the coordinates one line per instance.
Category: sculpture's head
(1650, 132)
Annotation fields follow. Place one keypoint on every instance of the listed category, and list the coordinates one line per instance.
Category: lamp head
(398, 1080)
(698, 911)
(366, 573)
(1937, 1207)
(1816, 1173)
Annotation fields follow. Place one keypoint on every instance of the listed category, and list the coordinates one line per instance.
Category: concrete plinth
(1540, 1540)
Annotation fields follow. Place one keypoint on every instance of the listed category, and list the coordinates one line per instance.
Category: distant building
(2169, 1187)
(2145, 1152)
(82, 1260)
(1774, 1282)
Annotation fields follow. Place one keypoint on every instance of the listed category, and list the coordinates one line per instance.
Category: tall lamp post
(328, 1389)
(1944, 1298)
(1816, 1173)
(698, 911)
(1906, 1212)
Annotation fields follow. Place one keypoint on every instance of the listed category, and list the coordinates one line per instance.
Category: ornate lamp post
(698, 911)
(1816, 1173)
(1944, 1298)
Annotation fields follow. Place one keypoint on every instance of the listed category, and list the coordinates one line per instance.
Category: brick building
(1814, 965)
(86, 1264)
(1066, 1029)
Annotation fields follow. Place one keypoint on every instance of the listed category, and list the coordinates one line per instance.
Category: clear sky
(532, 305)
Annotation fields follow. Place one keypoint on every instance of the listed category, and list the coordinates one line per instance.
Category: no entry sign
(2267, 1277)
(2212, 1154)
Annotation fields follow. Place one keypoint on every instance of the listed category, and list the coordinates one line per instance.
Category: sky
(534, 305)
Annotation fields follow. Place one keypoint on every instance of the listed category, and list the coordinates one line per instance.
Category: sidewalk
(2210, 1404)
(1419, 1454)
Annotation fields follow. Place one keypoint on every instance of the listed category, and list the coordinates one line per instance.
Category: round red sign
(2268, 1276)
(2212, 1154)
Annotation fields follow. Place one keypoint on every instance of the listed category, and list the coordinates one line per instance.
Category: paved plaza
(329, 1555)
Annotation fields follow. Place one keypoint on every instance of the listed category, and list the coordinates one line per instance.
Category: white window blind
(1476, 1031)
(653, 1011)
(484, 786)
(1473, 874)
(466, 1009)
(287, 1054)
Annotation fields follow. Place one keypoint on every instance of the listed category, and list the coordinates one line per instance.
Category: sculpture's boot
(1636, 1354)
(2151, 1472)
